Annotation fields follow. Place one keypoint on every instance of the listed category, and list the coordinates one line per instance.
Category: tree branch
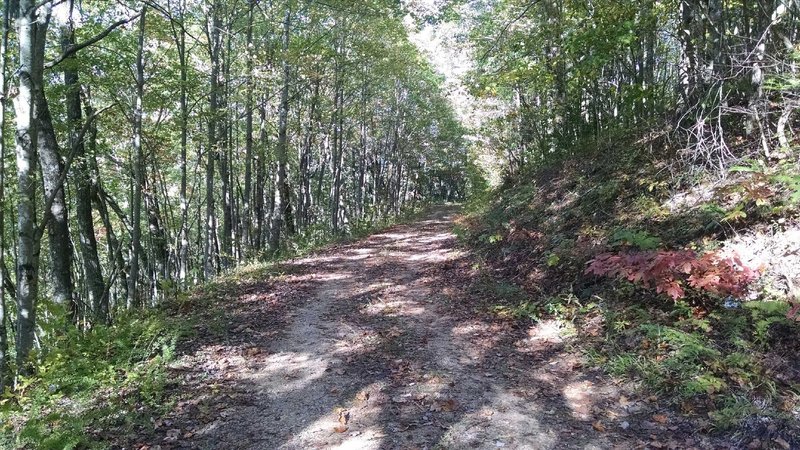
(89, 42)
(503, 31)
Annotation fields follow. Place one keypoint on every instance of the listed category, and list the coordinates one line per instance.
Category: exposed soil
(373, 345)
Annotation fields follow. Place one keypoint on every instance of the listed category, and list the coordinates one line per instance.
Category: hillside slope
(720, 346)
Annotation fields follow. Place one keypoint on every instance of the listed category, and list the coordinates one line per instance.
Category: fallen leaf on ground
(598, 426)
(340, 429)
(782, 442)
(660, 418)
(252, 351)
(444, 405)
(449, 405)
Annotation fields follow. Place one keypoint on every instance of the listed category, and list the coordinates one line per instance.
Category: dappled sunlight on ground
(286, 372)
(579, 397)
(374, 349)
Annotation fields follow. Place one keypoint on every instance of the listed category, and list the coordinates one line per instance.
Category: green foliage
(87, 380)
(763, 316)
(639, 239)
(552, 260)
(526, 310)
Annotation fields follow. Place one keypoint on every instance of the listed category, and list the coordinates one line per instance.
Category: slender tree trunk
(362, 159)
(247, 227)
(183, 238)
(223, 157)
(336, 158)
(28, 242)
(116, 260)
(212, 150)
(157, 234)
(261, 175)
(5, 372)
(281, 214)
(97, 298)
(326, 150)
(138, 170)
(304, 205)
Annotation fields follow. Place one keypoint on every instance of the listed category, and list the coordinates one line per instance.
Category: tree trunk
(261, 175)
(304, 205)
(138, 170)
(52, 167)
(97, 298)
(336, 158)
(281, 214)
(158, 237)
(246, 225)
(223, 157)
(28, 242)
(5, 372)
(212, 150)
(183, 235)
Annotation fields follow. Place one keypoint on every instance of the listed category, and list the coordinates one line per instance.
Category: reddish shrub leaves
(669, 272)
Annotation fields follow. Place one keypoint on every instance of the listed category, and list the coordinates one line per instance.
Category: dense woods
(158, 144)
(718, 76)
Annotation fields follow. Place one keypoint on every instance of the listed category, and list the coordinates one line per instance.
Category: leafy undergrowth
(93, 385)
(649, 273)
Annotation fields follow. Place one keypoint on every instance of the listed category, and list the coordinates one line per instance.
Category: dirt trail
(371, 345)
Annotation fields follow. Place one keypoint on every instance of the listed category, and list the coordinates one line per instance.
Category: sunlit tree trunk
(261, 177)
(223, 152)
(246, 216)
(27, 263)
(337, 149)
(179, 37)
(5, 372)
(304, 205)
(55, 217)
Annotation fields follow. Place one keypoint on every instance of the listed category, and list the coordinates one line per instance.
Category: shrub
(669, 272)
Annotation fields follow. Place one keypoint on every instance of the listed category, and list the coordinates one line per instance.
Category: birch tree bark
(5, 372)
(28, 242)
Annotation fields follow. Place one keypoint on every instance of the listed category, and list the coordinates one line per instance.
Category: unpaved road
(372, 345)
